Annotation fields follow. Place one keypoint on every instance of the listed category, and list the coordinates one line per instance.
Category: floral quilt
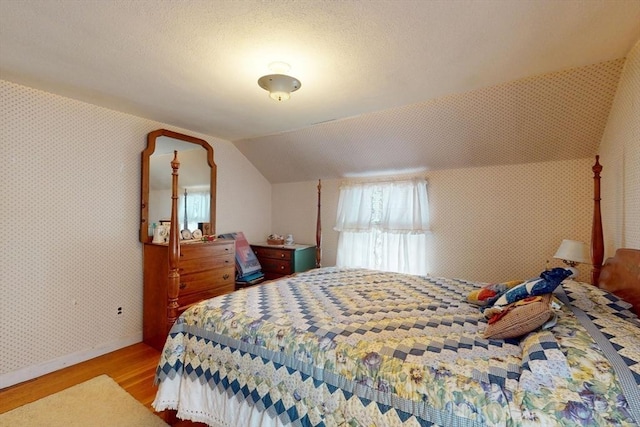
(354, 347)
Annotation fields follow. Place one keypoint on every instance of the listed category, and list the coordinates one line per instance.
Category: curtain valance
(395, 207)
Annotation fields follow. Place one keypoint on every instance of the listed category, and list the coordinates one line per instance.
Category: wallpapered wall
(488, 224)
(620, 151)
(71, 177)
(505, 222)
(70, 215)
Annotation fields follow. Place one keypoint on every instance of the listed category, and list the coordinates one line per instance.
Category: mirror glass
(196, 177)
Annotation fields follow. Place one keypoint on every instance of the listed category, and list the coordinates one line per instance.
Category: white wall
(70, 215)
(620, 151)
(295, 210)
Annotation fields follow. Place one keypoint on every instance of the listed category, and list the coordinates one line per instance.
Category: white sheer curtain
(384, 226)
(198, 208)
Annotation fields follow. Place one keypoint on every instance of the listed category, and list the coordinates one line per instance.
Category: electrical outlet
(119, 311)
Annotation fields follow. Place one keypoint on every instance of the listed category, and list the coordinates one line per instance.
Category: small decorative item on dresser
(205, 227)
(160, 233)
(275, 239)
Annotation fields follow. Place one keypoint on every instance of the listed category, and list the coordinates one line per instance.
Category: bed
(353, 347)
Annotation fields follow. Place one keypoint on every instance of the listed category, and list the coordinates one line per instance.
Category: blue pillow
(545, 284)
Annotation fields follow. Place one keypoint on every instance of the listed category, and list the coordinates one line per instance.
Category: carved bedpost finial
(597, 167)
(597, 239)
(175, 163)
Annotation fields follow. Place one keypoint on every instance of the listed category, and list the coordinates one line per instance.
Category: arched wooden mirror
(197, 176)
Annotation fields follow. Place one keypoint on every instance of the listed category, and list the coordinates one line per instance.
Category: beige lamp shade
(573, 252)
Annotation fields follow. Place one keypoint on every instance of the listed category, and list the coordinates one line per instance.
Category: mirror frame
(151, 147)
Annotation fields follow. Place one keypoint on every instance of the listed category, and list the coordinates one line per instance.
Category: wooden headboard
(620, 274)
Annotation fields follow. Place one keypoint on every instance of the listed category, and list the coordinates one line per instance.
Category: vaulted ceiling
(387, 85)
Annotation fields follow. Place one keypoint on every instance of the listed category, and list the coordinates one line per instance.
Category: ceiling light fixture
(279, 85)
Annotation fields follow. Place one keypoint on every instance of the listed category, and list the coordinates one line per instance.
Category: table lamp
(572, 253)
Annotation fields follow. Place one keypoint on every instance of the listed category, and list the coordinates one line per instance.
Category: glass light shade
(573, 251)
(279, 86)
(279, 95)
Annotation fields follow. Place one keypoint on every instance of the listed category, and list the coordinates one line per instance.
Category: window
(384, 226)
(197, 207)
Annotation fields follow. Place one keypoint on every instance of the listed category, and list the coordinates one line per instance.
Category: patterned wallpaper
(70, 253)
(502, 222)
(552, 116)
(620, 158)
(70, 256)
(488, 224)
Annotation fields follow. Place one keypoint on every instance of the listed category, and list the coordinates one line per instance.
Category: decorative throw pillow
(520, 317)
(546, 283)
(489, 293)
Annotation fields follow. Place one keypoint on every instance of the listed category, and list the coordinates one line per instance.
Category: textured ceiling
(386, 85)
(556, 116)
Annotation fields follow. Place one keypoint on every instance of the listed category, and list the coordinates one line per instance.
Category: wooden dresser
(282, 260)
(206, 269)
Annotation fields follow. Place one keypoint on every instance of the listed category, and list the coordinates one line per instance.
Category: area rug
(96, 403)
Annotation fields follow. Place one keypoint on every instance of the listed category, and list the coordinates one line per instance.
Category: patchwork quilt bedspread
(354, 347)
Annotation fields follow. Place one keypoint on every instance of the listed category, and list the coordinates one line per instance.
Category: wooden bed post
(318, 231)
(173, 286)
(597, 239)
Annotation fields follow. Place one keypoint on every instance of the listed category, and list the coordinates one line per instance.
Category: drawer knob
(281, 255)
(225, 276)
(183, 285)
(282, 267)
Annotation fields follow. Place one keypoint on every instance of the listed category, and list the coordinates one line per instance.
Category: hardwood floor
(132, 367)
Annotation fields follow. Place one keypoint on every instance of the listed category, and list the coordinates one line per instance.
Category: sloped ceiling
(387, 86)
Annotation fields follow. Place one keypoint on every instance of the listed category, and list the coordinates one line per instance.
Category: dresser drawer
(194, 265)
(211, 279)
(206, 250)
(184, 301)
(280, 261)
(276, 266)
(274, 253)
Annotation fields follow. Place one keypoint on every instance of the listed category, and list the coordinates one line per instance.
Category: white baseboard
(35, 371)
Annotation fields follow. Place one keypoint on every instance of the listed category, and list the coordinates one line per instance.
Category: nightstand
(283, 260)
